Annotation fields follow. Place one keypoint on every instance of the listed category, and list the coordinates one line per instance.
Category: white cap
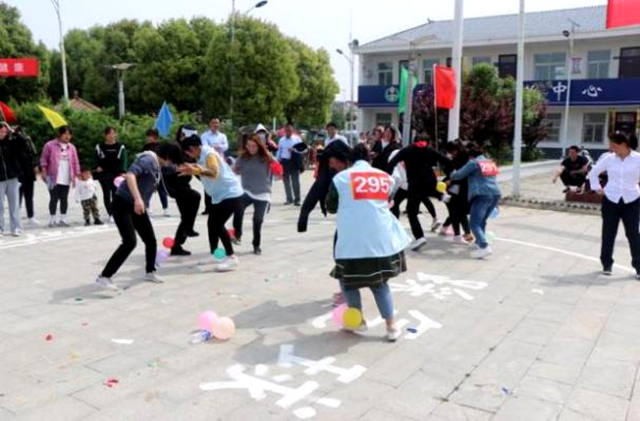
(260, 128)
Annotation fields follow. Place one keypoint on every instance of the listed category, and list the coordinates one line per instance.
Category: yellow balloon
(441, 187)
(352, 318)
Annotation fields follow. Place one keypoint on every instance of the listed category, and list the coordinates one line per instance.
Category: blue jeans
(381, 293)
(11, 189)
(481, 208)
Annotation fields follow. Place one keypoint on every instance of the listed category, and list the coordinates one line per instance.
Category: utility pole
(517, 137)
(456, 56)
(63, 54)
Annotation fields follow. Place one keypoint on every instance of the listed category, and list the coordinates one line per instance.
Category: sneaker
(297, 204)
(106, 283)
(98, 222)
(32, 222)
(436, 224)
(63, 223)
(52, 222)
(1, 233)
(607, 272)
(16, 233)
(229, 265)
(566, 190)
(638, 276)
(363, 328)
(153, 278)
(236, 241)
(418, 244)
(179, 251)
(193, 234)
(87, 223)
(444, 231)
(337, 300)
(165, 213)
(458, 239)
(469, 238)
(288, 203)
(257, 251)
(393, 334)
(482, 253)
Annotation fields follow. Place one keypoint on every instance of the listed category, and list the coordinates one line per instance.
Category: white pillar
(456, 56)
(567, 103)
(121, 109)
(408, 109)
(517, 136)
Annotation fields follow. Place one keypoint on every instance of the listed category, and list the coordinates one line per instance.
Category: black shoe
(607, 272)
(98, 222)
(87, 223)
(288, 203)
(193, 234)
(179, 251)
(566, 190)
(236, 241)
(638, 276)
(257, 251)
(297, 204)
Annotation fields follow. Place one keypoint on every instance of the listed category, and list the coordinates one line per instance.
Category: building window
(630, 63)
(427, 65)
(593, 128)
(480, 60)
(508, 66)
(550, 66)
(598, 64)
(385, 74)
(553, 121)
(383, 119)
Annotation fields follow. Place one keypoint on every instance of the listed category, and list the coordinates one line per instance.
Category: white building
(605, 68)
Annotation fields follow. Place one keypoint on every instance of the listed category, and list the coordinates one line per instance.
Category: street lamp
(121, 68)
(233, 40)
(351, 61)
(63, 54)
(569, 35)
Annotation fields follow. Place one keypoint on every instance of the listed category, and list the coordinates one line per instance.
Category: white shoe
(33, 222)
(106, 283)
(153, 278)
(418, 244)
(482, 253)
(229, 265)
(166, 213)
(393, 334)
(63, 221)
(1, 233)
(363, 328)
(458, 239)
(17, 233)
(52, 222)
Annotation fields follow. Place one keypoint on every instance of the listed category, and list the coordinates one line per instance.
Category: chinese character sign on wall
(19, 67)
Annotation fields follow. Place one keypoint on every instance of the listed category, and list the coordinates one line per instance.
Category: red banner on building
(19, 67)
(623, 13)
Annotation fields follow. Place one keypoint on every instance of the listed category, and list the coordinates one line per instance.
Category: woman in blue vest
(221, 183)
(370, 241)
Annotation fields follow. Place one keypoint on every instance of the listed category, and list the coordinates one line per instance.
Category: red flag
(9, 115)
(623, 13)
(445, 87)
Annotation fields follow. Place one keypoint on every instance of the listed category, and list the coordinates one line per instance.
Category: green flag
(404, 84)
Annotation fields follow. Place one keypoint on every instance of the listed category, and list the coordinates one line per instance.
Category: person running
(255, 165)
(60, 169)
(152, 143)
(458, 205)
(110, 163)
(384, 147)
(12, 157)
(130, 213)
(484, 195)
(288, 157)
(30, 172)
(419, 159)
(225, 190)
(621, 199)
(370, 242)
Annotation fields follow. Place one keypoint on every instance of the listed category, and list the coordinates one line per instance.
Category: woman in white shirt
(621, 199)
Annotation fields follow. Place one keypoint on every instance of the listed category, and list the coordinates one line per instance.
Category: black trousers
(164, 197)
(219, 214)
(612, 213)
(458, 211)
(576, 180)
(128, 223)
(108, 190)
(207, 203)
(26, 193)
(317, 194)
(59, 194)
(291, 178)
(260, 208)
(402, 195)
(188, 202)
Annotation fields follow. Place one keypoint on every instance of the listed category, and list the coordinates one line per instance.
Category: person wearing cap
(223, 186)
(263, 134)
(289, 156)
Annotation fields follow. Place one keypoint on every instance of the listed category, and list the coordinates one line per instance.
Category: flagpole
(454, 115)
(517, 136)
(435, 104)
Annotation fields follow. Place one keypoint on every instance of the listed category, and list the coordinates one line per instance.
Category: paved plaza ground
(533, 333)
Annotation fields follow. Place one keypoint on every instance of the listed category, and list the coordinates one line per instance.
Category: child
(86, 195)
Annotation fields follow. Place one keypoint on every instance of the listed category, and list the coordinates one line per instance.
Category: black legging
(128, 223)
(188, 202)
(458, 211)
(259, 211)
(108, 190)
(219, 214)
(26, 193)
(60, 194)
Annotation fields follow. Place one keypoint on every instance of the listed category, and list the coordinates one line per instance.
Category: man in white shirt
(290, 160)
(214, 138)
(332, 132)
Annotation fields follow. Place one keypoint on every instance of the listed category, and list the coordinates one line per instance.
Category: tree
(16, 41)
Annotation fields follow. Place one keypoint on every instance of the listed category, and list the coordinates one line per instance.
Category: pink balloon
(338, 315)
(205, 320)
(118, 180)
(223, 328)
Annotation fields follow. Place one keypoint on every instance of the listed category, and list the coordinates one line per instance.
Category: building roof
(79, 104)
(494, 28)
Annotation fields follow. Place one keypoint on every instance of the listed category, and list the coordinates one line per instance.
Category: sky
(319, 23)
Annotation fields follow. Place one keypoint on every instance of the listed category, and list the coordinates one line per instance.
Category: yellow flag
(55, 119)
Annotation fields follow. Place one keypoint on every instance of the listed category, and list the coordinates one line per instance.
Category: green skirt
(366, 273)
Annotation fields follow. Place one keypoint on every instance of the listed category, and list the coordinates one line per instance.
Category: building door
(629, 62)
(626, 123)
(508, 65)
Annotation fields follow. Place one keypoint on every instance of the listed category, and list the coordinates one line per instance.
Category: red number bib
(370, 186)
(488, 168)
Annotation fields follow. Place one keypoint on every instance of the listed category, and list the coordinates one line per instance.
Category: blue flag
(164, 120)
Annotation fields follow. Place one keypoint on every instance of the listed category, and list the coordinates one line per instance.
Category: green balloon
(219, 254)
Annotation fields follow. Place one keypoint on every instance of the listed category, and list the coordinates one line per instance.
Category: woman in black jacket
(383, 149)
(11, 162)
(458, 205)
(30, 171)
(110, 163)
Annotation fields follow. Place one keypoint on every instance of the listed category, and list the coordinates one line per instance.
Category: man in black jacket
(419, 159)
(12, 158)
